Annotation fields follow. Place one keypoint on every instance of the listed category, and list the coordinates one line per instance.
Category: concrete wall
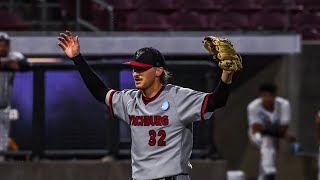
(298, 80)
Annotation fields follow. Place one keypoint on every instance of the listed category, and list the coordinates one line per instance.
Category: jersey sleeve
(253, 115)
(118, 101)
(21, 59)
(285, 113)
(191, 105)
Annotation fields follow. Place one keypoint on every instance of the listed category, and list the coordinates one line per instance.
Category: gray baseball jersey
(161, 130)
(6, 85)
(6, 81)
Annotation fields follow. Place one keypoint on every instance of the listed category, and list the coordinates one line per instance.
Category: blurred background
(60, 121)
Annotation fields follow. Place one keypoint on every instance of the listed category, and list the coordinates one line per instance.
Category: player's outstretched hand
(69, 44)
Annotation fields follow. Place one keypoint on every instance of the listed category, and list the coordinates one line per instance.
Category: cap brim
(138, 64)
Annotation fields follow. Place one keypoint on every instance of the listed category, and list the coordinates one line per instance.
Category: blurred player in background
(317, 121)
(160, 115)
(269, 117)
(10, 62)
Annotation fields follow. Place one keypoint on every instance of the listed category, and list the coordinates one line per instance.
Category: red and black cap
(146, 58)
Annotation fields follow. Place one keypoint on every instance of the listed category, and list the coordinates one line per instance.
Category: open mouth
(137, 80)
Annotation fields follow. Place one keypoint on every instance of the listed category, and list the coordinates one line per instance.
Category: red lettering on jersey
(131, 119)
(136, 120)
(157, 120)
(165, 121)
(147, 120)
(141, 120)
(152, 123)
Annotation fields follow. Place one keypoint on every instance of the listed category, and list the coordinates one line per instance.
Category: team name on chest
(148, 120)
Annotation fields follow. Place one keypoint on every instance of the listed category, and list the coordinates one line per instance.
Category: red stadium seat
(242, 5)
(189, 21)
(120, 19)
(296, 5)
(69, 11)
(313, 5)
(268, 21)
(101, 19)
(273, 5)
(147, 21)
(202, 4)
(125, 4)
(309, 32)
(305, 19)
(228, 21)
(308, 5)
(159, 4)
(11, 22)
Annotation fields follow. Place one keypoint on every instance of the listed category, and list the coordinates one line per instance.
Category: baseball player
(269, 117)
(160, 115)
(10, 62)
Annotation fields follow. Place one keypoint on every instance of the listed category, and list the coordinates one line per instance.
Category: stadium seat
(273, 5)
(308, 5)
(296, 5)
(147, 21)
(313, 5)
(268, 21)
(242, 5)
(125, 4)
(11, 22)
(189, 21)
(163, 5)
(120, 19)
(202, 4)
(101, 20)
(301, 19)
(309, 32)
(228, 21)
(69, 11)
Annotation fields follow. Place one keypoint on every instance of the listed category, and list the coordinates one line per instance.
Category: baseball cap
(146, 58)
(4, 37)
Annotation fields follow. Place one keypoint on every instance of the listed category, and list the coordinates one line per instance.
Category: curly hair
(165, 77)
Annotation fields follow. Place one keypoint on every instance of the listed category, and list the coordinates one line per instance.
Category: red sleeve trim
(110, 102)
(204, 105)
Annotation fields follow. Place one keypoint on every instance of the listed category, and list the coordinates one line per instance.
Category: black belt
(170, 178)
(167, 178)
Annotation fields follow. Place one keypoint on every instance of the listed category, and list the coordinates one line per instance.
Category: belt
(170, 178)
(167, 178)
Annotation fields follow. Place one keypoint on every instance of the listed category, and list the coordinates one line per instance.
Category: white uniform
(267, 144)
(6, 113)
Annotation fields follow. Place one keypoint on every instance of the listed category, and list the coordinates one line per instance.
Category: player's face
(144, 78)
(4, 49)
(267, 99)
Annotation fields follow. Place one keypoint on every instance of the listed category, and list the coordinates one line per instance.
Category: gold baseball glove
(224, 53)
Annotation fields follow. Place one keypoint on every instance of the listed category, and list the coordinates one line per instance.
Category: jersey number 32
(153, 140)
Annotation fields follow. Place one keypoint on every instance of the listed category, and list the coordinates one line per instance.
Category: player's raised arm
(229, 61)
(70, 45)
